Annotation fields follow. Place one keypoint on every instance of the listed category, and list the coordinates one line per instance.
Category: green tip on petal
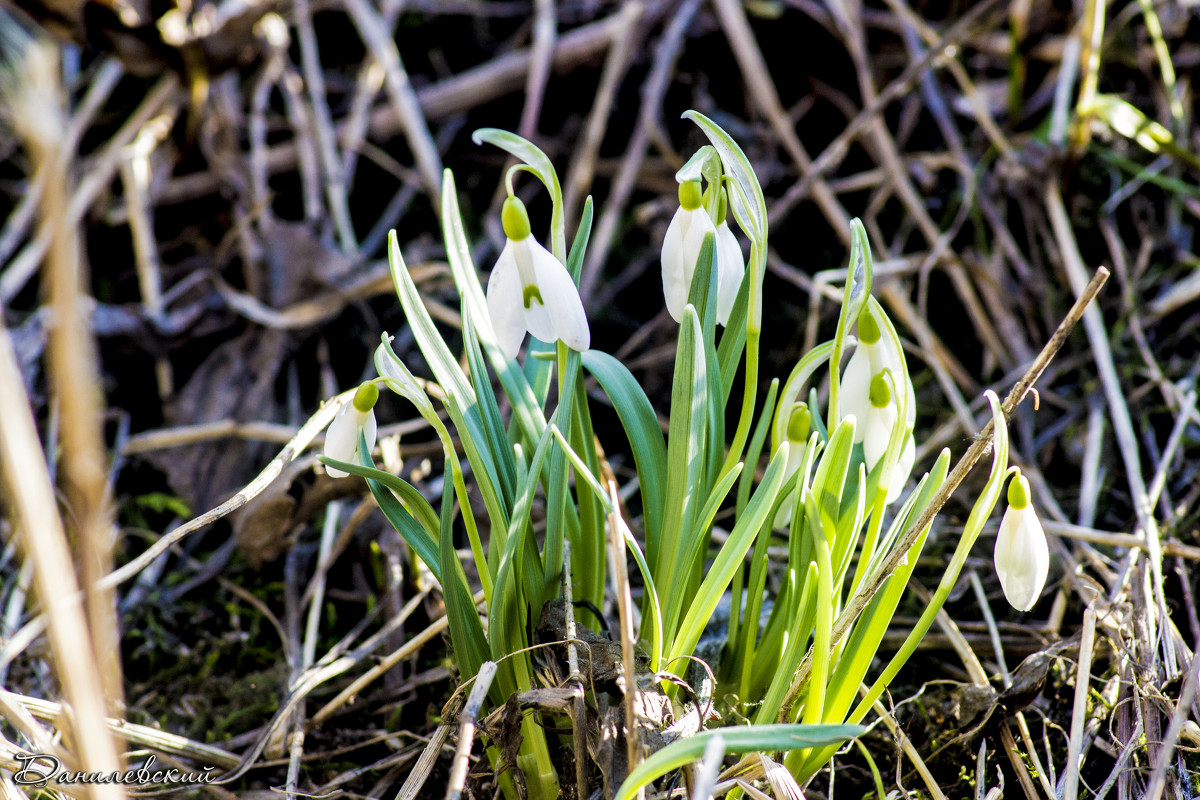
(1018, 492)
(366, 397)
(689, 195)
(799, 423)
(868, 328)
(881, 393)
(532, 293)
(515, 219)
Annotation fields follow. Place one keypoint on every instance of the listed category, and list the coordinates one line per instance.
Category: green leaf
(414, 502)
(466, 630)
(747, 739)
(404, 523)
(700, 165)
(493, 425)
(749, 525)
(519, 575)
(582, 470)
(561, 512)
(830, 480)
(686, 467)
(645, 436)
(754, 451)
(579, 246)
(868, 632)
(791, 392)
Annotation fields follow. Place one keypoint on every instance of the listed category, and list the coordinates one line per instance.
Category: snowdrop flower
(798, 428)
(1022, 556)
(681, 248)
(341, 440)
(731, 266)
(871, 357)
(530, 290)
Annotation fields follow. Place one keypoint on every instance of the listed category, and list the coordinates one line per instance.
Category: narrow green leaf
(414, 502)
(645, 436)
(466, 630)
(489, 411)
(579, 245)
(686, 463)
(747, 739)
(750, 524)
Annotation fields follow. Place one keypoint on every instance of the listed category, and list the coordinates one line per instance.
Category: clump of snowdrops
(837, 485)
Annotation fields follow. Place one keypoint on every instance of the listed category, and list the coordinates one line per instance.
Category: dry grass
(232, 194)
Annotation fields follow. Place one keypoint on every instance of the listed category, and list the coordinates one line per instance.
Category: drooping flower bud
(1022, 555)
(341, 440)
(798, 428)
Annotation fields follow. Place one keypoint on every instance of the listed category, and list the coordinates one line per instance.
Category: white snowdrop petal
(535, 317)
(567, 319)
(366, 420)
(876, 432)
(854, 391)
(731, 268)
(341, 440)
(504, 302)
(693, 240)
(901, 471)
(675, 288)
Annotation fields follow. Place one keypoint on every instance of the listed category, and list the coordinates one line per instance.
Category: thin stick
(710, 766)
(327, 145)
(633, 750)
(1093, 324)
(135, 178)
(377, 36)
(316, 423)
(982, 444)
(21, 269)
(466, 729)
(574, 678)
(625, 42)
(44, 542)
(541, 53)
(416, 779)
(1083, 680)
(83, 638)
